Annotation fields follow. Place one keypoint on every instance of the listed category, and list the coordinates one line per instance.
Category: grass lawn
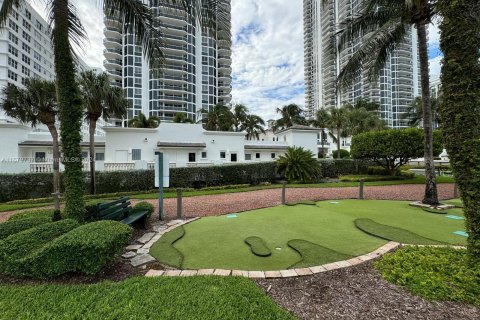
(218, 242)
(142, 298)
(11, 207)
(433, 273)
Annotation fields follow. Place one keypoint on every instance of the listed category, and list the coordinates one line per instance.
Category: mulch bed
(357, 293)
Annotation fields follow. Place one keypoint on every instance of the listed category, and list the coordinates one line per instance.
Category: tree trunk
(323, 144)
(56, 164)
(338, 143)
(431, 195)
(71, 112)
(91, 129)
(459, 42)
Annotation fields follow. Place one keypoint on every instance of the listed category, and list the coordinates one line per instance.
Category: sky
(267, 58)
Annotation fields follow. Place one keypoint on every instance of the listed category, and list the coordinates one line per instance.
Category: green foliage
(392, 149)
(378, 171)
(299, 164)
(164, 251)
(344, 154)
(15, 226)
(313, 254)
(333, 168)
(304, 202)
(141, 121)
(258, 246)
(392, 233)
(433, 273)
(25, 186)
(144, 206)
(459, 108)
(201, 298)
(85, 249)
(291, 115)
(181, 117)
(47, 214)
(15, 249)
(219, 119)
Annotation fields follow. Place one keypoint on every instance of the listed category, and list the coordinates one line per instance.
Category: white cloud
(435, 67)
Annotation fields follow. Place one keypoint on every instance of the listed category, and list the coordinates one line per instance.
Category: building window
(12, 63)
(273, 155)
(99, 156)
(13, 38)
(233, 157)
(223, 155)
(13, 25)
(192, 157)
(40, 156)
(257, 155)
(248, 156)
(12, 75)
(204, 155)
(136, 154)
(13, 50)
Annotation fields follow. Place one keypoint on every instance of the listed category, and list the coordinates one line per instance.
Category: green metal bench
(120, 210)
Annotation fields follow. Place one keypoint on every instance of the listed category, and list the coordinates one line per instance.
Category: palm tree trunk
(323, 144)
(431, 195)
(56, 165)
(70, 112)
(91, 129)
(338, 143)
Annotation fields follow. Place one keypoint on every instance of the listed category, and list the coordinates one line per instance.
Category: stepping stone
(143, 251)
(318, 269)
(149, 244)
(288, 273)
(142, 260)
(146, 237)
(133, 247)
(303, 272)
(129, 255)
(154, 273)
(159, 228)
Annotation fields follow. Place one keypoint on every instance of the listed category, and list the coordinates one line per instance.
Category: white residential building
(399, 81)
(197, 74)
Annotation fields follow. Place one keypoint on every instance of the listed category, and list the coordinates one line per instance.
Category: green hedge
(11, 227)
(47, 214)
(85, 249)
(144, 206)
(15, 249)
(39, 185)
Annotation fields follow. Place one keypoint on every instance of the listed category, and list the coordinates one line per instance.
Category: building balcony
(112, 63)
(113, 53)
(112, 43)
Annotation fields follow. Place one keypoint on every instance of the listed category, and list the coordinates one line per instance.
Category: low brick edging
(289, 273)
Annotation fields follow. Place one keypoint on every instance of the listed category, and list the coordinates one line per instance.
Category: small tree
(253, 125)
(239, 116)
(141, 121)
(392, 149)
(220, 118)
(299, 164)
(181, 117)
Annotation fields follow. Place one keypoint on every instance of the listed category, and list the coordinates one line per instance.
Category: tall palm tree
(219, 119)
(290, 115)
(34, 104)
(253, 125)
(100, 99)
(384, 24)
(322, 120)
(68, 31)
(239, 113)
(181, 117)
(337, 125)
(360, 120)
(414, 112)
(141, 121)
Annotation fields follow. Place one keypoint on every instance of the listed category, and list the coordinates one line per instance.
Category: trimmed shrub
(378, 171)
(47, 214)
(11, 227)
(25, 186)
(144, 206)
(15, 248)
(85, 249)
(335, 168)
(344, 154)
(299, 164)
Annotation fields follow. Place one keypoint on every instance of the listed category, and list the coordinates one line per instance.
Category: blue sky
(267, 50)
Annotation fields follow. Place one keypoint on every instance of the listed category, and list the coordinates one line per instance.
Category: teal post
(160, 186)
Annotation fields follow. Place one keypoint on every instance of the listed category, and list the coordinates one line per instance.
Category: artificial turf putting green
(218, 242)
(164, 249)
(311, 253)
(258, 246)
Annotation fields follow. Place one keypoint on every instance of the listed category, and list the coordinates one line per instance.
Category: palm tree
(100, 99)
(68, 30)
(141, 121)
(253, 125)
(239, 114)
(181, 117)
(219, 119)
(299, 164)
(338, 124)
(322, 121)
(34, 104)
(384, 24)
(414, 112)
(290, 115)
(360, 120)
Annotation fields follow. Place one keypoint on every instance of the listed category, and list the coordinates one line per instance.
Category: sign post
(162, 180)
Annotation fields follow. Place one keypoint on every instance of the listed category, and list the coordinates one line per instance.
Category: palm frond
(7, 8)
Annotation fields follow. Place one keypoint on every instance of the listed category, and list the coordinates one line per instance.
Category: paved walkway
(213, 205)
